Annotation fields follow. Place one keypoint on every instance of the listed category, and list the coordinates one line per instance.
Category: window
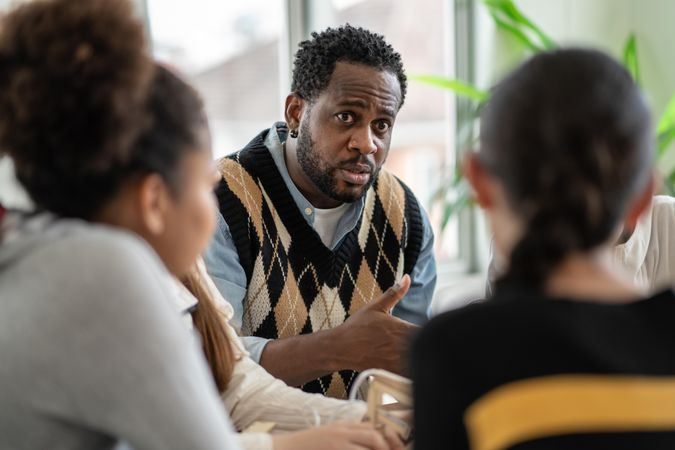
(229, 51)
(423, 140)
(239, 55)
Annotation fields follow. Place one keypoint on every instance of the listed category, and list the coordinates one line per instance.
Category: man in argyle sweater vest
(326, 258)
(296, 285)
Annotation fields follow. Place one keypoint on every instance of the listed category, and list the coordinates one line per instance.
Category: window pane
(230, 52)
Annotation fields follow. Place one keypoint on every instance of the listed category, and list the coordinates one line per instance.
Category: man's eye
(346, 117)
(382, 126)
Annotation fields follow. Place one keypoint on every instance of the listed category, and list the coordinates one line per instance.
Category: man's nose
(363, 141)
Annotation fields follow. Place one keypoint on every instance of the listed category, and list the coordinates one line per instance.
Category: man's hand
(372, 337)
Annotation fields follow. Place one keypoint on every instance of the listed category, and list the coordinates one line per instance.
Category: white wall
(604, 24)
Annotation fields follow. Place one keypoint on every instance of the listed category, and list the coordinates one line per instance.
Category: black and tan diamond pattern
(295, 284)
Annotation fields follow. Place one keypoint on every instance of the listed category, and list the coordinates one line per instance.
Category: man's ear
(479, 179)
(154, 200)
(641, 203)
(293, 110)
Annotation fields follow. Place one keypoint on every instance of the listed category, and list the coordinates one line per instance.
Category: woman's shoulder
(87, 246)
(97, 237)
(84, 259)
(64, 244)
(499, 320)
(64, 277)
(462, 320)
(527, 317)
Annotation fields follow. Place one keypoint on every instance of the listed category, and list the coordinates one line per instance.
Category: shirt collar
(274, 144)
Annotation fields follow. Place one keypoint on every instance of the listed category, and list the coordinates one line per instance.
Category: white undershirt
(326, 222)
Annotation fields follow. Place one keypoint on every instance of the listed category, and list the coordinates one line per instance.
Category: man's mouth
(356, 173)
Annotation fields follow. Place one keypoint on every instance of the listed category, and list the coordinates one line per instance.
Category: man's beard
(309, 158)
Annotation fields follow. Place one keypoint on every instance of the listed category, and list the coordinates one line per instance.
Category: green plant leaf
(459, 87)
(512, 20)
(547, 42)
(668, 185)
(462, 200)
(664, 151)
(510, 8)
(630, 58)
(666, 161)
(667, 120)
(517, 33)
(440, 193)
(664, 139)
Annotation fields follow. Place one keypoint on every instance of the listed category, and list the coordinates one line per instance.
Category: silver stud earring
(293, 133)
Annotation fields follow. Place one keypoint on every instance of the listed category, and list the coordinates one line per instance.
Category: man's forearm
(299, 359)
(371, 337)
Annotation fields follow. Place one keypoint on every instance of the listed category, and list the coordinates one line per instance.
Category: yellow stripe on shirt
(563, 404)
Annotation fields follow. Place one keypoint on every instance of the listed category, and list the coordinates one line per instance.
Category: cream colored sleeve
(255, 395)
(659, 262)
(648, 256)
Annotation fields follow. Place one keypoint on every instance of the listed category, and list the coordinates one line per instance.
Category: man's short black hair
(315, 60)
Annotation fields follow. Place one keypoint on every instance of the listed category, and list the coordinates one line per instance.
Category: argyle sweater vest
(296, 285)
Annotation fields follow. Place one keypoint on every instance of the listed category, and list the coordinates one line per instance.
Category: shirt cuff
(254, 345)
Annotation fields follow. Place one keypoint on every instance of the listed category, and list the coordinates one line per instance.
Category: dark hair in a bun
(569, 136)
(74, 77)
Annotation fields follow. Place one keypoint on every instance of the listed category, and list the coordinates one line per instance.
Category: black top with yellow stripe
(522, 372)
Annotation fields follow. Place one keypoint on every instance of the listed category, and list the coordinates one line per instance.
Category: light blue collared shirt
(222, 260)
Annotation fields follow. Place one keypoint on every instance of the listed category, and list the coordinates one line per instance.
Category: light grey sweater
(92, 351)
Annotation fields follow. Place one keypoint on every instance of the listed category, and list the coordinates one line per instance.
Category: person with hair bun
(567, 354)
(92, 352)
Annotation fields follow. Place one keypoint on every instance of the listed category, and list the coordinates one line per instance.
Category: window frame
(460, 23)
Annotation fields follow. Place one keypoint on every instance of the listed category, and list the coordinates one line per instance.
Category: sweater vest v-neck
(295, 284)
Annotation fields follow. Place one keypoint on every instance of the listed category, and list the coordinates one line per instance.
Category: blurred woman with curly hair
(92, 352)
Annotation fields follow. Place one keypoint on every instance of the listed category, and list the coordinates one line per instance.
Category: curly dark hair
(569, 136)
(315, 60)
(74, 76)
